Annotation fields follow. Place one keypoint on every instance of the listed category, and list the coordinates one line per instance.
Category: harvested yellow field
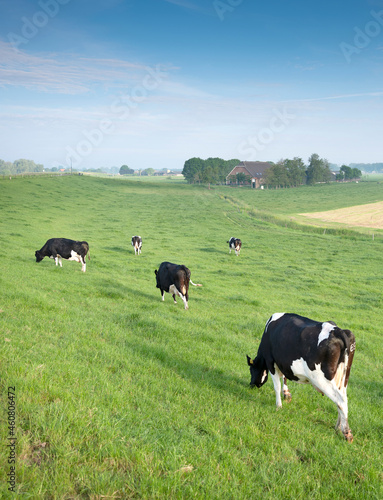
(370, 215)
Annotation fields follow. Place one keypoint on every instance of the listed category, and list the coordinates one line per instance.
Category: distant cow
(137, 244)
(307, 351)
(174, 279)
(62, 248)
(235, 244)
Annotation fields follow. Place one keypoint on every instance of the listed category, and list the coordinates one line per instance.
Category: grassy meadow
(121, 395)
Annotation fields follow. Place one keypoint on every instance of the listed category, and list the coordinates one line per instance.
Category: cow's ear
(249, 360)
(155, 272)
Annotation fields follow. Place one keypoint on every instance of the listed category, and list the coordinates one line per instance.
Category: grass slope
(121, 395)
(287, 206)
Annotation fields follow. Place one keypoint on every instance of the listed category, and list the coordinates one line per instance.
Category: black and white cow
(235, 244)
(137, 244)
(62, 248)
(174, 279)
(306, 351)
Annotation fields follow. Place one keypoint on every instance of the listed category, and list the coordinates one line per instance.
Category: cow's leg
(339, 397)
(173, 290)
(58, 260)
(163, 294)
(277, 387)
(286, 392)
(83, 264)
(185, 301)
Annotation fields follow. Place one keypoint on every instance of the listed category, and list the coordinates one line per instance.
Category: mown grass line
(285, 207)
(121, 393)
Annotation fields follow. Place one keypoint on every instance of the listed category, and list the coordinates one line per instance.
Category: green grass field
(121, 395)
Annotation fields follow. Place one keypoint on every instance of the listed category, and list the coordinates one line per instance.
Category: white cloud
(68, 74)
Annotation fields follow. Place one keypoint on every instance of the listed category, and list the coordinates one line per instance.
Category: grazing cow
(174, 279)
(307, 351)
(137, 244)
(235, 244)
(62, 248)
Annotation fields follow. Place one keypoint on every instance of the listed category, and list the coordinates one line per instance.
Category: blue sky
(152, 83)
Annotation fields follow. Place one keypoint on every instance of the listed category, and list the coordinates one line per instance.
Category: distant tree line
(125, 170)
(347, 173)
(19, 167)
(284, 173)
(368, 167)
(292, 173)
(212, 170)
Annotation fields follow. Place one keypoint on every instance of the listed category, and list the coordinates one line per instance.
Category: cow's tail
(349, 341)
(195, 284)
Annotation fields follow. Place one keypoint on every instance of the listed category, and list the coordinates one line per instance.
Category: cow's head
(38, 256)
(258, 371)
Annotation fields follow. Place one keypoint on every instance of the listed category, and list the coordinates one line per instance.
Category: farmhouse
(253, 170)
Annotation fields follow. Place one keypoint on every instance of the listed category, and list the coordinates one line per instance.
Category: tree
(20, 167)
(356, 173)
(269, 178)
(209, 175)
(318, 170)
(296, 171)
(125, 170)
(276, 175)
(191, 168)
(242, 178)
(148, 171)
(23, 165)
(197, 177)
(347, 172)
(212, 170)
(6, 167)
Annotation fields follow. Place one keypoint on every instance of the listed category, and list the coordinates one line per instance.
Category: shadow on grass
(211, 250)
(118, 249)
(196, 372)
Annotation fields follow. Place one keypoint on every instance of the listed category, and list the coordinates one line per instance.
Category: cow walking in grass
(62, 248)
(297, 348)
(174, 279)
(235, 244)
(137, 244)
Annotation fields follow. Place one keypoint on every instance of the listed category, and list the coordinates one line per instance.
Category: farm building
(252, 170)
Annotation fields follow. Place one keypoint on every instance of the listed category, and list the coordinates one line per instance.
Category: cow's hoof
(348, 436)
(287, 397)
